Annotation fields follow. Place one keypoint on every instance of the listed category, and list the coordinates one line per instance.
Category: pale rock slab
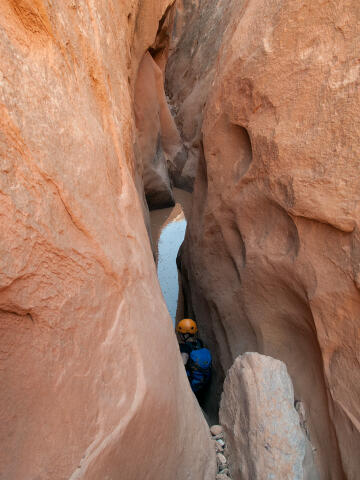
(262, 427)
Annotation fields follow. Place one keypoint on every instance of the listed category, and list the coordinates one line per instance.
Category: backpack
(199, 368)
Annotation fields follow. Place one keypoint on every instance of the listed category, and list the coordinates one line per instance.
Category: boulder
(261, 424)
(216, 430)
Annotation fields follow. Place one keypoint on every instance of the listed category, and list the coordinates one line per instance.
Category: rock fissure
(230, 101)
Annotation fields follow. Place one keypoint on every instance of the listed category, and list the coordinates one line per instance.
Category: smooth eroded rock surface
(91, 377)
(195, 43)
(148, 93)
(271, 258)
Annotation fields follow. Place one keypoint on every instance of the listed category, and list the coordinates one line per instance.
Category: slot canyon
(120, 118)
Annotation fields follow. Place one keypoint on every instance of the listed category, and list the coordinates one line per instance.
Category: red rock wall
(159, 145)
(92, 385)
(199, 26)
(152, 159)
(159, 149)
(272, 250)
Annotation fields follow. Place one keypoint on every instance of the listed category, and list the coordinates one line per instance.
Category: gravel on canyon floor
(223, 471)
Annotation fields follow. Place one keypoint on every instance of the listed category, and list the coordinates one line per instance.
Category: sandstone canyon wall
(160, 152)
(148, 95)
(272, 249)
(197, 34)
(92, 384)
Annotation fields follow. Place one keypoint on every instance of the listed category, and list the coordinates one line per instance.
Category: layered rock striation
(272, 250)
(91, 378)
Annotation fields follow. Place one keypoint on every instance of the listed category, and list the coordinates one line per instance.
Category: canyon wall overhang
(271, 257)
(92, 383)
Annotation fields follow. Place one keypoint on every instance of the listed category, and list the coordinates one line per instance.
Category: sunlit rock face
(91, 378)
(272, 252)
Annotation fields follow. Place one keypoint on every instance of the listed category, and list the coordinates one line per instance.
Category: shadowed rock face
(196, 40)
(149, 103)
(160, 152)
(271, 253)
(91, 378)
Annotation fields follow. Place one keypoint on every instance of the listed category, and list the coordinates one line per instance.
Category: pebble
(222, 476)
(221, 442)
(221, 459)
(225, 471)
(218, 447)
(216, 430)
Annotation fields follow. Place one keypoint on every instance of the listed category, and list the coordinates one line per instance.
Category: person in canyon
(196, 357)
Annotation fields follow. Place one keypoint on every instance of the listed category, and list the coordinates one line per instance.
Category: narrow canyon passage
(122, 124)
(168, 227)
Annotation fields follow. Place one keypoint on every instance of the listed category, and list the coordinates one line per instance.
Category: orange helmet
(187, 326)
